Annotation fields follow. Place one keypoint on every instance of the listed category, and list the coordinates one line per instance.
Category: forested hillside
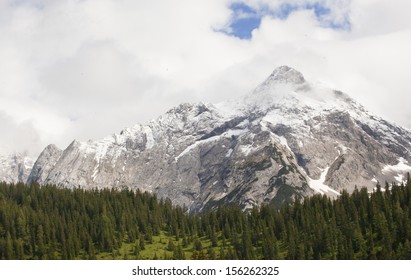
(54, 223)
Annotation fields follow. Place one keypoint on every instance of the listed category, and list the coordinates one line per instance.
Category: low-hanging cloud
(16, 136)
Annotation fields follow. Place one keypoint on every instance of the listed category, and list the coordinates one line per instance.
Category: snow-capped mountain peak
(288, 138)
(287, 75)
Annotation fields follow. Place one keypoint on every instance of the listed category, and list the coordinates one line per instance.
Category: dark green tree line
(53, 223)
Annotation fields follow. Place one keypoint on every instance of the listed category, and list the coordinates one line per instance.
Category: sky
(84, 69)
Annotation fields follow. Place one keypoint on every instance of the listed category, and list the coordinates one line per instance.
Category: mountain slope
(289, 138)
(15, 168)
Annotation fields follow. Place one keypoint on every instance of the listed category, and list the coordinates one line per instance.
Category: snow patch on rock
(400, 169)
(149, 136)
(319, 186)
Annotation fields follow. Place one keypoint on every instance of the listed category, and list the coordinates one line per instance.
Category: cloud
(85, 69)
(376, 17)
(75, 65)
(17, 137)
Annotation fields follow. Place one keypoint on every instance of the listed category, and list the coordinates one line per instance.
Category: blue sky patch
(245, 18)
(319, 9)
(322, 11)
(286, 9)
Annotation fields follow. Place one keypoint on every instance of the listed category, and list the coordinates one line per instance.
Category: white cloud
(84, 69)
(17, 137)
(373, 17)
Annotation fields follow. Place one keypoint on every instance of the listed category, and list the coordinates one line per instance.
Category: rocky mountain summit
(288, 138)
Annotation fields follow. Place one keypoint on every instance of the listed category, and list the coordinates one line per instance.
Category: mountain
(288, 138)
(15, 168)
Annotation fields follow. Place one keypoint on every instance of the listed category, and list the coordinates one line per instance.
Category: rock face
(288, 138)
(15, 168)
(46, 161)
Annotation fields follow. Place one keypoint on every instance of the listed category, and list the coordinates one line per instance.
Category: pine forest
(47, 222)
